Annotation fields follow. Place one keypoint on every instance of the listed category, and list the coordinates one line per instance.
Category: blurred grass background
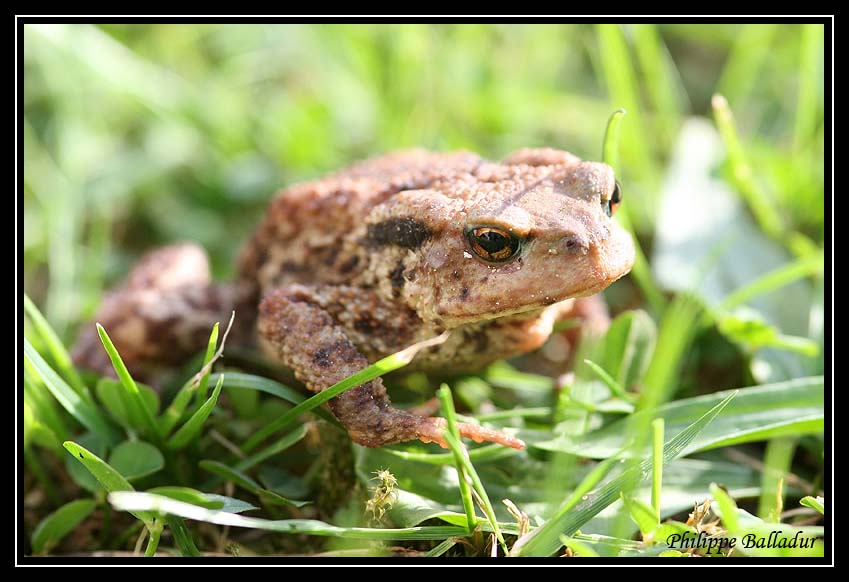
(138, 135)
(141, 135)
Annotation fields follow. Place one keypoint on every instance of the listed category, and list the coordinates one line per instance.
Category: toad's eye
(493, 244)
(615, 198)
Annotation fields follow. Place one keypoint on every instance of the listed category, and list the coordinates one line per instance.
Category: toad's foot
(432, 429)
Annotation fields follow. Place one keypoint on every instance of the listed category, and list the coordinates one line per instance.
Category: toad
(395, 250)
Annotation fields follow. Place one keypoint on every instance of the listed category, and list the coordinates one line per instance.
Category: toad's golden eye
(615, 199)
(493, 244)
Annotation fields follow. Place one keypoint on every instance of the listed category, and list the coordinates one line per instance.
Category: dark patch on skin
(476, 338)
(342, 349)
(365, 324)
(397, 332)
(349, 265)
(455, 274)
(464, 293)
(407, 233)
(81, 455)
(397, 278)
(292, 267)
(321, 358)
(397, 275)
(410, 276)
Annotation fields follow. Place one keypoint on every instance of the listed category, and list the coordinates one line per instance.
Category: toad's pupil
(492, 241)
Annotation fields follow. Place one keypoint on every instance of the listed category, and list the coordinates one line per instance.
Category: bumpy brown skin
(355, 266)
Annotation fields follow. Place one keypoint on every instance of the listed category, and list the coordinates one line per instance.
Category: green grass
(139, 135)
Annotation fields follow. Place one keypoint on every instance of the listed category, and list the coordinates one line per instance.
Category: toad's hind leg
(163, 313)
(304, 336)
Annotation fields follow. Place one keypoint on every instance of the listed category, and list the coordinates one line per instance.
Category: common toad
(391, 251)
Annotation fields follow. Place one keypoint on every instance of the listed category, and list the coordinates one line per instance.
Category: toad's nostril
(574, 243)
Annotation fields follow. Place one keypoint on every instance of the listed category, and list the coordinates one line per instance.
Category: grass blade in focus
(757, 413)
(137, 501)
(379, 368)
(135, 404)
(545, 540)
(193, 426)
(109, 478)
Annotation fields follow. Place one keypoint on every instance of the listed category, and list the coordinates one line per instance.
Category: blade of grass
(206, 368)
(81, 410)
(727, 507)
(441, 548)
(618, 72)
(379, 368)
(544, 540)
(641, 270)
(250, 382)
(57, 350)
(610, 146)
(752, 46)
(761, 412)
(487, 453)
(135, 404)
(194, 425)
(641, 514)
(137, 501)
(154, 532)
(761, 206)
(169, 419)
(108, 477)
(452, 437)
(614, 386)
(188, 495)
(535, 412)
(182, 536)
(674, 337)
(579, 547)
(663, 85)
(33, 466)
(245, 482)
(618, 543)
(777, 461)
(203, 385)
(37, 397)
(483, 498)
(230, 474)
(277, 447)
(772, 281)
(444, 394)
(810, 69)
(60, 523)
(815, 503)
(657, 465)
(174, 412)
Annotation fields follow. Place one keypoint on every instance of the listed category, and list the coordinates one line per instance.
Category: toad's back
(301, 239)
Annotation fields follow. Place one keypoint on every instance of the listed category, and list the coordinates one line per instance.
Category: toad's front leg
(297, 326)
